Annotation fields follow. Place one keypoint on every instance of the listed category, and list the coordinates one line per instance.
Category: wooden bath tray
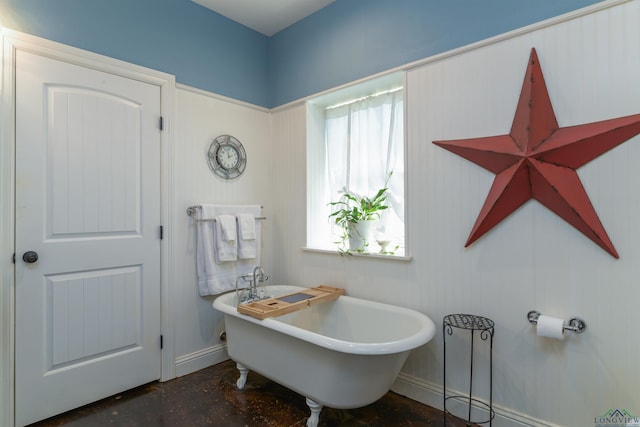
(289, 303)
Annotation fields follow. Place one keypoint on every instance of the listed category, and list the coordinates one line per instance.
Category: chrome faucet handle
(245, 295)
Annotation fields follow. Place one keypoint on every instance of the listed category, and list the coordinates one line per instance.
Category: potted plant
(355, 215)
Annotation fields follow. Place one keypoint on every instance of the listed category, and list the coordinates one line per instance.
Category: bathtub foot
(315, 413)
(243, 376)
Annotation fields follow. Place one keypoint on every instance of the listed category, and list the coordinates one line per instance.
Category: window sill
(401, 258)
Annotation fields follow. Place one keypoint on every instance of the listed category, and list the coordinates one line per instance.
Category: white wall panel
(201, 117)
(532, 259)
(289, 165)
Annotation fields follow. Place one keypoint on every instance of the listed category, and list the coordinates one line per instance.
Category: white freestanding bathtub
(343, 354)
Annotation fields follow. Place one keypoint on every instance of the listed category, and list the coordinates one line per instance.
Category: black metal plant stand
(485, 328)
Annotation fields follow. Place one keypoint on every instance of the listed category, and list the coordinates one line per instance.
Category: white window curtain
(364, 145)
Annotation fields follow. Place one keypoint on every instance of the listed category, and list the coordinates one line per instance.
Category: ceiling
(265, 16)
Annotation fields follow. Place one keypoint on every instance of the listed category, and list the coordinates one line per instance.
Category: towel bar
(193, 210)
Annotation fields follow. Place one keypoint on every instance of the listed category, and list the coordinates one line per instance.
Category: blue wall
(351, 39)
(200, 47)
(347, 40)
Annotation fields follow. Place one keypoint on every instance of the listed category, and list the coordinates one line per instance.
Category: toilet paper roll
(550, 327)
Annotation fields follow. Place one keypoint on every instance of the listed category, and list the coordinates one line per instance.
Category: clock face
(227, 157)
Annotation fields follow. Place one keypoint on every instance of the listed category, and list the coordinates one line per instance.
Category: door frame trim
(10, 42)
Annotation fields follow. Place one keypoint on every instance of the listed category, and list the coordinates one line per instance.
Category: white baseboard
(200, 359)
(431, 394)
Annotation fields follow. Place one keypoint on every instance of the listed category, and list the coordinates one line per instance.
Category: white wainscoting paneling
(201, 117)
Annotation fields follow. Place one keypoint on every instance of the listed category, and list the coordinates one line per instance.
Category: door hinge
(161, 123)
(161, 232)
(161, 342)
(14, 257)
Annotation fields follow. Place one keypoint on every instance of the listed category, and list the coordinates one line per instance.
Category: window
(356, 143)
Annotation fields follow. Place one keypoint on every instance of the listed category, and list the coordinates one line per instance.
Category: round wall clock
(227, 157)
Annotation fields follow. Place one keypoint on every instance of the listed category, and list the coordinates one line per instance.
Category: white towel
(225, 234)
(228, 227)
(246, 236)
(214, 278)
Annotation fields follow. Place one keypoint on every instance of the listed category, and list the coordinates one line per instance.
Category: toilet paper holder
(575, 324)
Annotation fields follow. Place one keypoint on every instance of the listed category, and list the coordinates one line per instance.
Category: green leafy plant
(353, 208)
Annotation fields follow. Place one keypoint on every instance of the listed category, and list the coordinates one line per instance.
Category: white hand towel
(227, 226)
(247, 226)
(247, 236)
(226, 245)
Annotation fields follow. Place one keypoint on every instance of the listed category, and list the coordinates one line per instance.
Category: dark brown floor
(210, 398)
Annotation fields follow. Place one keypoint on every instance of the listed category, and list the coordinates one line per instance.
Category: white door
(88, 203)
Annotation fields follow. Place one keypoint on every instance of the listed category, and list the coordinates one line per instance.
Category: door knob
(30, 257)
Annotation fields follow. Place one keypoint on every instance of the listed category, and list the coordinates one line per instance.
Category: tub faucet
(241, 298)
(258, 276)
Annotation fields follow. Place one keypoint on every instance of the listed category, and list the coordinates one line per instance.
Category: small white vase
(360, 236)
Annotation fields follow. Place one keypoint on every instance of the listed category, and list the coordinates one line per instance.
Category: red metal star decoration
(538, 160)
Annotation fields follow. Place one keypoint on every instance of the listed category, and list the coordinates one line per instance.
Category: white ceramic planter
(361, 236)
